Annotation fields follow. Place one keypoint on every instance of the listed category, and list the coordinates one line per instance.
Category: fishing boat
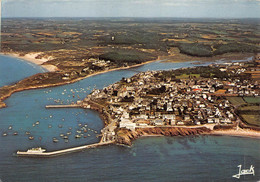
(4, 134)
(10, 127)
(27, 133)
(31, 137)
(55, 140)
(77, 136)
(37, 122)
(15, 133)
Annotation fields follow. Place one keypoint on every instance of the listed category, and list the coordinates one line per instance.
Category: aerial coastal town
(186, 97)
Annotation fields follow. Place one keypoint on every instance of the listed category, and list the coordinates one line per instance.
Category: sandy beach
(52, 68)
(238, 132)
(31, 57)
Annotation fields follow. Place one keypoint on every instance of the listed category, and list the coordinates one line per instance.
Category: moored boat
(36, 150)
(55, 140)
(32, 151)
(77, 136)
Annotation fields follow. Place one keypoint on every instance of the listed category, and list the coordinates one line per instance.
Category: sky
(132, 8)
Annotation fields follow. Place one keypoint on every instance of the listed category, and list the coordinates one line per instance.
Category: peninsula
(73, 49)
(217, 99)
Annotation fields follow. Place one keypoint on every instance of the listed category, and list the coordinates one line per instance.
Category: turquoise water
(203, 158)
(13, 70)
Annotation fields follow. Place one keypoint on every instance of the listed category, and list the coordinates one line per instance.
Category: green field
(252, 100)
(186, 76)
(250, 108)
(253, 119)
(250, 114)
(236, 100)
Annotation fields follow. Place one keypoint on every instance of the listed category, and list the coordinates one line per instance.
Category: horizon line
(135, 17)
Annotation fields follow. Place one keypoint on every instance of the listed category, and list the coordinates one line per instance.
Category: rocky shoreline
(126, 137)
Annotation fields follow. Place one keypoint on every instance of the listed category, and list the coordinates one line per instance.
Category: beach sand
(31, 57)
(238, 132)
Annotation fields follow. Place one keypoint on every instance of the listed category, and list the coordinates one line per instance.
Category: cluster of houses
(147, 100)
(93, 65)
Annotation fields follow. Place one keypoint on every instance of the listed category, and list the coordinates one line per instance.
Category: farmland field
(186, 76)
(252, 100)
(236, 100)
(253, 119)
(250, 108)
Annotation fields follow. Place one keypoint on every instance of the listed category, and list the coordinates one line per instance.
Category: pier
(61, 152)
(63, 106)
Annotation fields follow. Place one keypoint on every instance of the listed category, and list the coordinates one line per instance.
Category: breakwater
(61, 152)
(63, 106)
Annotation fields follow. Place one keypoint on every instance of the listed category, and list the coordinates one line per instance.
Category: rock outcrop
(126, 137)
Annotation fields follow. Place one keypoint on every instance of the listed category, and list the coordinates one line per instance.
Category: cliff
(126, 137)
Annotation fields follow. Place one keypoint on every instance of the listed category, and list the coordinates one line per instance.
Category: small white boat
(55, 140)
(77, 136)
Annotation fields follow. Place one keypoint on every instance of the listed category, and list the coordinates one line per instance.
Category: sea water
(13, 69)
(201, 158)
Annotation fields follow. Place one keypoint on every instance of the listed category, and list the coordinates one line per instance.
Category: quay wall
(105, 116)
(62, 106)
(62, 152)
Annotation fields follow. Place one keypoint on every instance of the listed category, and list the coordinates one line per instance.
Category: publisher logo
(244, 171)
